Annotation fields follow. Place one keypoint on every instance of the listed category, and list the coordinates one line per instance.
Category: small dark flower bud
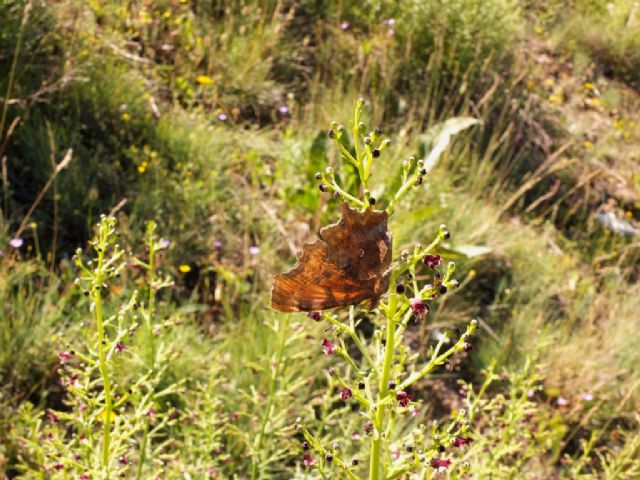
(419, 180)
(372, 201)
(354, 462)
(375, 152)
(331, 133)
(367, 140)
(305, 446)
(329, 457)
(331, 371)
(361, 385)
(441, 448)
(378, 131)
(368, 428)
(323, 187)
(400, 288)
(467, 347)
(423, 171)
(409, 448)
(86, 293)
(318, 176)
(315, 316)
(446, 235)
(443, 289)
(392, 385)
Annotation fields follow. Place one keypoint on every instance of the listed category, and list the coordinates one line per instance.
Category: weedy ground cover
(210, 118)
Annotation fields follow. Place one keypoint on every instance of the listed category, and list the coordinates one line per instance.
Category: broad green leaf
(439, 136)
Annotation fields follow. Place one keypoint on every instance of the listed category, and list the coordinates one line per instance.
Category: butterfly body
(348, 264)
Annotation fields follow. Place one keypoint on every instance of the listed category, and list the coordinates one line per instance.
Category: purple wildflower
(327, 347)
(420, 309)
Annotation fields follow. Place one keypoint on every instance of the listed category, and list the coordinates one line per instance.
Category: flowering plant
(380, 372)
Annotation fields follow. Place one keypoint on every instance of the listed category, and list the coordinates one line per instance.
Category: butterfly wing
(346, 266)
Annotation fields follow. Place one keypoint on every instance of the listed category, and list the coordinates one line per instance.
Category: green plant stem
(104, 367)
(152, 302)
(375, 470)
(143, 450)
(14, 64)
(271, 394)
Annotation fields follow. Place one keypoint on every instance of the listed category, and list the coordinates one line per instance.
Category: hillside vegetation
(158, 169)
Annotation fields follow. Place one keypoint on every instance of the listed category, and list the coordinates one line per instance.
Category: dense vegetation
(158, 163)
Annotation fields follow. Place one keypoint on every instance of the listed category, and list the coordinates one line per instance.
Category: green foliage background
(209, 117)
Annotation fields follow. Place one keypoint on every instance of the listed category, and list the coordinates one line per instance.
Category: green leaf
(439, 136)
(469, 251)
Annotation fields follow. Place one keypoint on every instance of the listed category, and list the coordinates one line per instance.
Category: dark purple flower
(440, 463)
(308, 460)
(58, 466)
(151, 411)
(403, 398)
(461, 441)
(420, 309)
(432, 261)
(120, 347)
(316, 316)
(327, 347)
(64, 356)
(345, 394)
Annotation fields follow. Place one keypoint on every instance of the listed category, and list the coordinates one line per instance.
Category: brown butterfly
(348, 264)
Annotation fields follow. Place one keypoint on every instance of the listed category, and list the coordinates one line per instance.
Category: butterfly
(347, 264)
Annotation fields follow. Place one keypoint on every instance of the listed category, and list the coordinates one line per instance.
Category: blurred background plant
(208, 118)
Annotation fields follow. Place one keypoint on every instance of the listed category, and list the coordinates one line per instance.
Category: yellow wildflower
(184, 268)
(594, 102)
(589, 86)
(549, 81)
(588, 144)
(538, 29)
(125, 117)
(556, 99)
(204, 80)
